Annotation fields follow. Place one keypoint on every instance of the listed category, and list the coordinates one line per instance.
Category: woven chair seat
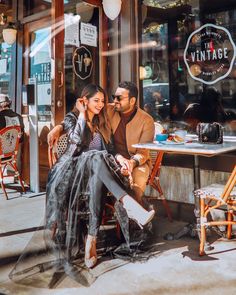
(214, 190)
(61, 145)
(212, 199)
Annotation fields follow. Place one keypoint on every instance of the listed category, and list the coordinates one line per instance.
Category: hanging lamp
(111, 8)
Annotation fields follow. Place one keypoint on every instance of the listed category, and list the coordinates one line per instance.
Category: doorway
(39, 66)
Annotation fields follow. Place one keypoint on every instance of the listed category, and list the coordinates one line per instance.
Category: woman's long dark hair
(100, 121)
(212, 109)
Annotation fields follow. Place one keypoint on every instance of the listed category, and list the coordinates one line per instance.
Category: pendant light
(9, 34)
(111, 8)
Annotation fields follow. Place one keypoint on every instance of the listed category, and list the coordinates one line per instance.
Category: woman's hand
(81, 105)
(54, 135)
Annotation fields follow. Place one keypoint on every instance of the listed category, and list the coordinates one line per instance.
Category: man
(10, 118)
(129, 125)
(7, 116)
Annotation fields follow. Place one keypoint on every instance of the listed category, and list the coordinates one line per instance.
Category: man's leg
(140, 176)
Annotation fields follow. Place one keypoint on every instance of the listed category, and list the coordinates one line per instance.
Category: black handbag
(211, 133)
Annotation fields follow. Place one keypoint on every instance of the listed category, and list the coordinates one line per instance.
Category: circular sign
(82, 63)
(209, 54)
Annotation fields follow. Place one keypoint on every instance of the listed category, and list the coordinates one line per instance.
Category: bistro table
(188, 148)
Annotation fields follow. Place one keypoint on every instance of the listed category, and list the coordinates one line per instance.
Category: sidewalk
(176, 269)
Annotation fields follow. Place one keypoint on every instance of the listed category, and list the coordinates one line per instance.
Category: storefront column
(124, 43)
(58, 87)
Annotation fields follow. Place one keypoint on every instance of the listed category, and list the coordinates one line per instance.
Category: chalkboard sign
(82, 63)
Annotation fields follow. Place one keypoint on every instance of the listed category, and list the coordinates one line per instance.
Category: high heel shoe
(90, 246)
(136, 212)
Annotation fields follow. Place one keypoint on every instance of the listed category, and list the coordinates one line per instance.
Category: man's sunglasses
(118, 97)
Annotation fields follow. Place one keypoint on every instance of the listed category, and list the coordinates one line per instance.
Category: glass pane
(5, 67)
(188, 71)
(35, 6)
(81, 55)
(40, 68)
(6, 50)
(155, 67)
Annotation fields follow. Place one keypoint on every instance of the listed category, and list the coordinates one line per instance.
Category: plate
(193, 144)
(157, 142)
(171, 142)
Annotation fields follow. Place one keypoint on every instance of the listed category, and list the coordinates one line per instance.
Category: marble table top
(191, 148)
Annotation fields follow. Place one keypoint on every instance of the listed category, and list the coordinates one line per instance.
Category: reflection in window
(5, 67)
(171, 91)
(40, 69)
(73, 82)
(156, 76)
(35, 6)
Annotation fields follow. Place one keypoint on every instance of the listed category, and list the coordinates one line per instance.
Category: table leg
(197, 185)
(191, 229)
(196, 173)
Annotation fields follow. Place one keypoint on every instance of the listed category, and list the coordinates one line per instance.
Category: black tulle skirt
(56, 250)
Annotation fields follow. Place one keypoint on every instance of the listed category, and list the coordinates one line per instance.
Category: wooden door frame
(28, 29)
(58, 85)
(57, 14)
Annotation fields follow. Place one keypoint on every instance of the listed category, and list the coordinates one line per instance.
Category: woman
(210, 109)
(82, 171)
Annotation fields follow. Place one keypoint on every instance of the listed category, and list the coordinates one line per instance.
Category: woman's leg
(105, 176)
(134, 209)
(95, 207)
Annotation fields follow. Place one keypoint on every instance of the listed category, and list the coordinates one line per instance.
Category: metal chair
(9, 144)
(217, 196)
(154, 179)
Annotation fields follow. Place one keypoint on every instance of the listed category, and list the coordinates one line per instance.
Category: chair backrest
(57, 150)
(156, 161)
(229, 185)
(152, 156)
(9, 141)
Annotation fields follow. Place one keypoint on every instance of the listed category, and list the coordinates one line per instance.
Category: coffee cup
(161, 137)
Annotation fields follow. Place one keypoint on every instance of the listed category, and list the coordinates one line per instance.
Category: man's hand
(54, 135)
(127, 166)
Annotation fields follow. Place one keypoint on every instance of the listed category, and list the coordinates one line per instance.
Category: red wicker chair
(217, 196)
(54, 152)
(154, 180)
(9, 144)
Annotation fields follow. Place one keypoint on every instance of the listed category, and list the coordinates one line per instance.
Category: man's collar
(129, 115)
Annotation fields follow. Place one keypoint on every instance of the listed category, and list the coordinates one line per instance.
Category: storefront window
(188, 71)
(5, 67)
(81, 49)
(35, 6)
(40, 69)
(5, 49)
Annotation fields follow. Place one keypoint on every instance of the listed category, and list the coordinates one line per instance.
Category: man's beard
(117, 109)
